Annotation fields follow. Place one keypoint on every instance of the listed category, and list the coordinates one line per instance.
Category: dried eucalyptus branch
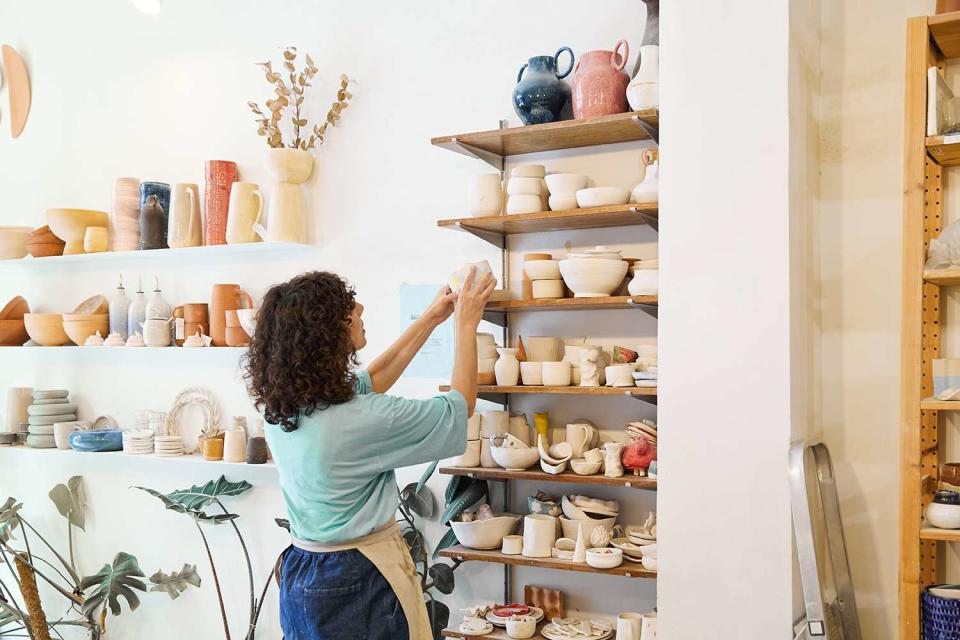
(292, 95)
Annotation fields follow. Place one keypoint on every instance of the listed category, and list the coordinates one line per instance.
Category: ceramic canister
(539, 534)
(600, 84)
(220, 176)
(628, 626)
(235, 445)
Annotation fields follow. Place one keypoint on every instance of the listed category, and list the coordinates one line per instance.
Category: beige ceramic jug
(245, 211)
(183, 221)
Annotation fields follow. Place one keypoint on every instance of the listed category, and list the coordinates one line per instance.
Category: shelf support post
(650, 309)
(652, 130)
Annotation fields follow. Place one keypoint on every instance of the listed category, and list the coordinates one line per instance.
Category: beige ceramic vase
(286, 216)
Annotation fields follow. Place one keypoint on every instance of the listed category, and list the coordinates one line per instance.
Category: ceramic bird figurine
(638, 455)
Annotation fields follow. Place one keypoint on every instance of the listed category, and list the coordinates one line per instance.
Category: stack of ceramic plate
(498, 616)
(643, 429)
(125, 214)
(168, 446)
(577, 629)
(646, 378)
(48, 408)
(138, 442)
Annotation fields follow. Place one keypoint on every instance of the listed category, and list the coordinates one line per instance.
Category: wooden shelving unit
(492, 147)
(932, 404)
(534, 475)
(626, 570)
(497, 634)
(942, 277)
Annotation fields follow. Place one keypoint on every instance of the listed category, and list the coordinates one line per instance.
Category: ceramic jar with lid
(944, 511)
(541, 95)
(600, 84)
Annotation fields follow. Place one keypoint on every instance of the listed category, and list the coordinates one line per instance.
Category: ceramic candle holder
(512, 545)
(470, 457)
(531, 373)
(539, 534)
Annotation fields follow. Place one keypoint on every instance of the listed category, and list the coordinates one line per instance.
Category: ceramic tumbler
(220, 176)
(244, 211)
(628, 626)
(61, 433)
(473, 426)
(235, 445)
(539, 534)
(18, 400)
(225, 297)
(600, 84)
(212, 448)
(486, 456)
(256, 450)
(484, 195)
(648, 627)
(183, 220)
(512, 545)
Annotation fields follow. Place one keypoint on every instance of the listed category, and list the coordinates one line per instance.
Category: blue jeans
(335, 596)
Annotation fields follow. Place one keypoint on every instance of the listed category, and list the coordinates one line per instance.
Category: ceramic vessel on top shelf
(244, 212)
(287, 219)
(184, 228)
(13, 242)
(220, 175)
(43, 243)
(541, 96)
(600, 84)
(153, 225)
(70, 225)
(643, 92)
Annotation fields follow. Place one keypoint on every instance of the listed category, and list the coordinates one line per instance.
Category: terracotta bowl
(94, 305)
(81, 328)
(12, 333)
(15, 309)
(46, 329)
(13, 242)
(70, 225)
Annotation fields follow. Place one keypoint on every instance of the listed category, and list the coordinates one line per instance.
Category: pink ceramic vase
(220, 176)
(600, 84)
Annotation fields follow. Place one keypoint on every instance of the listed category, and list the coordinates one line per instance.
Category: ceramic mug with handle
(183, 221)
(628, 626)
(156, 332)
(244, 213)
(580, 437)
(225, 297)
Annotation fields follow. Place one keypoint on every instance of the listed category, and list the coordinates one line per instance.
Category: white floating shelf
(70, 458)
(225, 253)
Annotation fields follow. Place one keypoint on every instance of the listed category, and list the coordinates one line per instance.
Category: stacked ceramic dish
(645, 277)
(645, 537)
(544, 364)
(138, 442)
(13, 242)
(49, 407)
(89, 318)
(502, 616)
(168, 446)
(526, 189)
(12, 330)
(563, 188)
(471, 455)
(544, 274)
(596, 518)
(577, 629)
(486, 358)
(124, 214)
(594, 273)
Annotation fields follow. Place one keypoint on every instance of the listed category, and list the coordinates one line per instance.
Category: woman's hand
(472, 299)
(442, 306)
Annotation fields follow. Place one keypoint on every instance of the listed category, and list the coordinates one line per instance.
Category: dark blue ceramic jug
(541, 95)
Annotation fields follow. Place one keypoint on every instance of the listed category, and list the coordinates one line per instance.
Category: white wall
(119, 93)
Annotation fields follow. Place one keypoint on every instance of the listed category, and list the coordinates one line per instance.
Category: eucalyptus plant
(416, 499)
(87, 599)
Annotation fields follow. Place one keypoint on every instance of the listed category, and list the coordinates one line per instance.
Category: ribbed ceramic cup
(220, 176)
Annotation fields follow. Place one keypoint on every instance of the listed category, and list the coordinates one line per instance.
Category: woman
(336, 441)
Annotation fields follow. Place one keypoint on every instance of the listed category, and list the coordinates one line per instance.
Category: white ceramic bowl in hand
(458, 277)
(524, 186)
(485, 534)
(602, 196)
(565, 183)
(542, 269)
(592, 278)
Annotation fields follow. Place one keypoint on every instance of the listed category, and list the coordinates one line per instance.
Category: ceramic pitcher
(245, 211)
(287, 220)
(643, 92)
(183, 220)
(600, 84)
(542, 95)
(580, 437)
(225, 297)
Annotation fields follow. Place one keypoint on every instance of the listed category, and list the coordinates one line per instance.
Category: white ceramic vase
(507, 368)
(612, 463)
(644, 282)
(539, 534)
(628, 626)
(590, 367)
(643, 92)
(235, 445)
(287, 219)
(484, 194)
(647, 191)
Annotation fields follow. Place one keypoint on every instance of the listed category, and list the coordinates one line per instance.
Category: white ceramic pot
(524, 204)
(531, 373)
(528, 171)
(643, 92)
(612, 459)
(507, 368)
(470, 457)
(519, 428)
(943, 516)
(486, 455)
(644, 283)
(544, 348)
(547, 289)
(539, 534)
(235, 445)
(602, 196)
(484, 195)
(620, 375)
(245, 210)
(485, 534)
(648, 627)
(556, 374)
(521, 626)
(565, 183)
(156, 332)
(604, 557)
(593, 278)
(494, 422)
(647, 191)
(512, 545)
(542, 269)
(61, 433)
(524, 186)
(582, 467)
(458, 277)
(473, 426)
(563, 202)
(628, 626)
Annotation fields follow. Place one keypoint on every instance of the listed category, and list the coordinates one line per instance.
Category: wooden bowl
(43, 243)
(70, 225)
(80, 330)
(46, 329)
(94, 305)
(13, 242)
(12, 333)
(15, 309)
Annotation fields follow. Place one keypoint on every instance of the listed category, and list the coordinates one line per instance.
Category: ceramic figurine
(114, 340)
(590, 366)
(600, 84)
(119, 306)
(580, 551)
(136, 314)
(507, 368)
(638, 455)
(612, 466)
(135, 340)
(542, 95)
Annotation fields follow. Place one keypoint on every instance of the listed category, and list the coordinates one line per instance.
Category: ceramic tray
(552, 632)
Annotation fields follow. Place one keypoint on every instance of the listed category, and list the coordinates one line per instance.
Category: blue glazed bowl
(97, 440)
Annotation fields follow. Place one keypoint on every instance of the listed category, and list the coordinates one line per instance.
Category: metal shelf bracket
(493, 159)
(652, 130)
(648, 399)
(650, 309)
(496, 239)
(648, 218)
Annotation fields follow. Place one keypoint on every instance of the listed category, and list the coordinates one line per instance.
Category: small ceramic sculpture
(95, 340)
(590, 367)
(136, 340)
(638, 455)
(196, 340)
(612, 466)
(580, 551)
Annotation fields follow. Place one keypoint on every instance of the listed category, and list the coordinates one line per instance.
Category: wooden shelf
(945, 149)
(637, 392)
(943, 535)
(498, 633)
(493, 228)
(572, 304)
(497, 473)
(945, 32)
(942, 277)
(932, 404)
(568, 134)
(626, 570)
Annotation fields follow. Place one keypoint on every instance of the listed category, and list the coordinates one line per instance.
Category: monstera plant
(89, 599)
(416, 499)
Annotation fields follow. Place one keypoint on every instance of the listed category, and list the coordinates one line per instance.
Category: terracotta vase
(600, 84)
(220, 176)
(947, 6)
(226, 297)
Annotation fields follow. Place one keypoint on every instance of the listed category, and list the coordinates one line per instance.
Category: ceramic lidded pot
(600, 84)
(944, 511)
(541, 95)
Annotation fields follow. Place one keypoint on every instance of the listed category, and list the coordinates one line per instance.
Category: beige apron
(386, 549)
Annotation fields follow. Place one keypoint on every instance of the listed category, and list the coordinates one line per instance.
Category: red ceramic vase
(600, 84)
(220, 176)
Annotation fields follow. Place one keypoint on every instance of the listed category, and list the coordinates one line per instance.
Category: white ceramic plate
(536, 612)
(487, 628)
(951, 591)
(551, 632)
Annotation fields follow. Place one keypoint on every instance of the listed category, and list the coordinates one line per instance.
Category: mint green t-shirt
(337, 468)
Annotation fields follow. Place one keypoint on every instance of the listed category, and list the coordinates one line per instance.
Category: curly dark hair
(301, 357)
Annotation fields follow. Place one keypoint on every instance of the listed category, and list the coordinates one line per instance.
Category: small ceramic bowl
(512, 545)
(542, 269)
(531, 373)
(650, 564)
(563, 202)
(602, 196)
(605, 558)
(528, 171)
(485, 534)
(942, 516)
(521, 626)
(458, 277)
(553, 469)
(565, 183)
(518, 186)
(515, 459)
(620, 375)
(583, 468)
(556, 374)
(524, 204)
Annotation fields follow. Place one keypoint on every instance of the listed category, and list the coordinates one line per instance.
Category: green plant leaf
(199, 496)
(448, 540)
(70, 501)
(177, 582)
(283, 523)
(463, 500)
(421, 501)
(196, 514)
(426, 474)
(9, 518)
(439, 617)
(414, 541)
(112, 581)
(453, 486)
(443, 579)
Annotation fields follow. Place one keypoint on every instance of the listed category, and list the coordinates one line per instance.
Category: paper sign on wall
(435, 359)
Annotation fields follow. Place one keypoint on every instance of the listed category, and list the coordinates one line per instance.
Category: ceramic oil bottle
(119, 305)
(158, 308)
(136, 314)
